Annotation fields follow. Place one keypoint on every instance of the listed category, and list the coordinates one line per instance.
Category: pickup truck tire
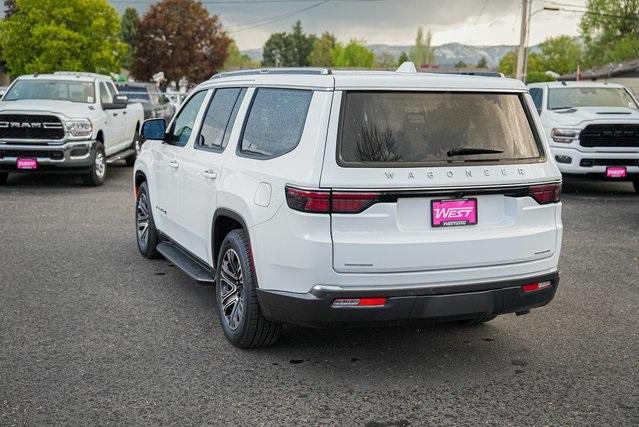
(97, 174)
(3, 178)
(635, 183)
(237, 305)
(145, 231)
(130, 161)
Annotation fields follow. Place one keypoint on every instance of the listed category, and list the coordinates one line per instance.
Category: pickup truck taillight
(328, 201)
(546, 193)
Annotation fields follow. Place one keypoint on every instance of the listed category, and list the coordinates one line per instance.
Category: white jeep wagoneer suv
(318, 197)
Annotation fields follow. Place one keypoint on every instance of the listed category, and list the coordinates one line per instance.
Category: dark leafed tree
(181, 39)
(403, 57)
(10, 8)
(482, 63)
(288, 49)
(128, 32)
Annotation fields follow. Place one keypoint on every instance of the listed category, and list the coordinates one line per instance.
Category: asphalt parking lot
(91, 333)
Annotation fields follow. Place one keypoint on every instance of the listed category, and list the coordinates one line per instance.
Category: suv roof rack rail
(472, 73)
(257, 71)
(81, 74)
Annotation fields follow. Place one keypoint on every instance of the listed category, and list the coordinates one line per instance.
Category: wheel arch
(225, 221)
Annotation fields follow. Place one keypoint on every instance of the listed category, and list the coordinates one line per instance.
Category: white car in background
(68, 122)
(592, 128)
(319, 197)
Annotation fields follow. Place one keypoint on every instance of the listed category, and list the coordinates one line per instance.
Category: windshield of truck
(420, 128)
(574, 97)
(57, 90)
(135, 93)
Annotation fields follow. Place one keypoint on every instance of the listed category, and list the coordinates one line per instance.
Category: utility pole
(523, 39)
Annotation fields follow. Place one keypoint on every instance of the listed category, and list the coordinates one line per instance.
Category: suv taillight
(327, 201)
(546, 193)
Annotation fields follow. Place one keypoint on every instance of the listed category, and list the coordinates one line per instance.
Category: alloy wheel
(100, 164)
(142, 218)
(231, 288)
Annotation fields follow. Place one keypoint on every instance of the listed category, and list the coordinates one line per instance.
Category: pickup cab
(66, 122)
(592, 128)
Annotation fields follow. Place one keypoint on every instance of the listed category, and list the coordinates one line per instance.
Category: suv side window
(537, 95)
(219, 118)
(275, 122)
(182, 127)
(105, 94)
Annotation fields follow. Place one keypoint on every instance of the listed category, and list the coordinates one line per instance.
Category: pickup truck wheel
(635, 183)
(147, 235)
(477, 320)
(98, 167)
(3, 178)
(237, 305)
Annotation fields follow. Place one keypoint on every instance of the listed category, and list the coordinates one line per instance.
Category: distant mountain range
(447, 54)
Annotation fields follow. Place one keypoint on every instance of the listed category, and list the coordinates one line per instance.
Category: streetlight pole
(522, 57)
(523, 35)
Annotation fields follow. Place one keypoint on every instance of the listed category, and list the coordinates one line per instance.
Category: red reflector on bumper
(359, 302)
(532, 287)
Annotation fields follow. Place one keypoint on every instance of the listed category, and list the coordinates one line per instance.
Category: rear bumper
(69, 156)
(430, 302)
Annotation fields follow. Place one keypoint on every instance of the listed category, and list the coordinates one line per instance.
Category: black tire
(635, 184)
(130, 161)
(477, 320)
(146, 234)
(242, 320)
(3, 178)
(97, 175)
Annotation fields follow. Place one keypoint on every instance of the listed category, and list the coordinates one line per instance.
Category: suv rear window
(421, 128)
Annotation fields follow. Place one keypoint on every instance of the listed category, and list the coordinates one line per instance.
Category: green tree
(403, 57)
(181, 39)
(560, 54)
(482, 63)
(610, 30)
(238, 60)
(536, 71)
(288, 49)
(422, 53)
(385, 61)
(320, 56)
(461, 64)
(354, 55)
(128, 33)
(276, 51)
(49, 35)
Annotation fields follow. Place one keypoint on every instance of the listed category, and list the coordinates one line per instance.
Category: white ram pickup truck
(593, 128)
(66, 122)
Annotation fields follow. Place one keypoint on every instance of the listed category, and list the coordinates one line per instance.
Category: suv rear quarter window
(275, 122)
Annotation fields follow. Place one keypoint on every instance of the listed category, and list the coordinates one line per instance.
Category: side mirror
(153, 129)
(119, 103)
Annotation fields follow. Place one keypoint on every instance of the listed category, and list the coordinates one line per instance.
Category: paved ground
(92, 333)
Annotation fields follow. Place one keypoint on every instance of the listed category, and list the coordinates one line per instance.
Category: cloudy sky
(476, 22)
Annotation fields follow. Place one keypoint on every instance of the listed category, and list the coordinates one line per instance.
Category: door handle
(173, 164)
(124, 112)
(210, 174)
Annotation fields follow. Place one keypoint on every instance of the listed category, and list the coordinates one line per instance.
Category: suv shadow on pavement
(587, 187)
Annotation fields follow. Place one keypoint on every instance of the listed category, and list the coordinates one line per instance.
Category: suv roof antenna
(407, 67)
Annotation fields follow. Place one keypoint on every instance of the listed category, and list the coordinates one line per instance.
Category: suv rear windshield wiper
(465, 151)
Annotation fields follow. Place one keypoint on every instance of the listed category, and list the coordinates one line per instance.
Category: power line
(481, 12)
(271, 20)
